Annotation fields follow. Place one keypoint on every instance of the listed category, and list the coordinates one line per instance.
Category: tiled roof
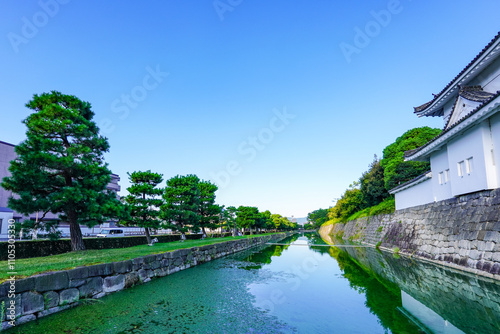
(474, 93)
(436, 96)
(492, 97)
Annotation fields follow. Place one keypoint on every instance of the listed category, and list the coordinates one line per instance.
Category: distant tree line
(369, 194)
(60, 168)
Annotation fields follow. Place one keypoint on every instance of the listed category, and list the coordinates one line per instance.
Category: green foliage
(247, 216)
(379, 229)
(350, 202)
(318, 217)
(182, 200)
(396, 170)
(377, 246)
(372, 184)
(208, 211)
(229, 218)
(144, 201)
(60, 166)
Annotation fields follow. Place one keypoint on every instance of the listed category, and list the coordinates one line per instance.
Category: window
(441, 178)
(461, 168)
(446, 175)
(468, 165)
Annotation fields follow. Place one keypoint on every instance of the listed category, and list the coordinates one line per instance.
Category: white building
(465, 157)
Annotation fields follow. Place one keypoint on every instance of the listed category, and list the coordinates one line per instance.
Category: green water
(291, 289)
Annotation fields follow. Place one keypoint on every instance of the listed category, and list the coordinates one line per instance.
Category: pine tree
(182, 198)
(60, 166)
(208, 211)
(144, 200)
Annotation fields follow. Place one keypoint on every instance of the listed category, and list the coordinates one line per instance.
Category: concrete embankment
(38, 296)
(462, 232)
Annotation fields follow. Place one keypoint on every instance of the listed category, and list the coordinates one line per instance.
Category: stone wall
(38, 296)
(462, 232)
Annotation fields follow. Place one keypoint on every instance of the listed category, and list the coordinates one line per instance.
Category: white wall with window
(441, 185)
(468, 163)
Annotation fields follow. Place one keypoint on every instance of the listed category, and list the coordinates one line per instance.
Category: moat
(294, 287)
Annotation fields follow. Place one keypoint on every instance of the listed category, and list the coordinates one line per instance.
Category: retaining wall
(38, 296)
(462, 232)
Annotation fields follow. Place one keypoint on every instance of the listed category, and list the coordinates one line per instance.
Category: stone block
(32, 302)
(131, 279)
(53, 281)
(25, 318)
(75, 283)
(161, 272)
(492, 236)
(69, 296)
(122, 267)
(155, 265)
(149, 258)
(78, 273)
(101, 269)
(53, 310)
(143, 274)
(15, 305)
(25, 284)
(114, 283)
(92, 286)
(51, 299)
(474, 254)
(487, 246)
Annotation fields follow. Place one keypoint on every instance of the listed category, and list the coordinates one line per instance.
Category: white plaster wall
(439, 163)
(489, 78)
(416, 195)
(495, 136)
(470, 144)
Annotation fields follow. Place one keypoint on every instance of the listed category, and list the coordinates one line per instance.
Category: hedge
(36, 248)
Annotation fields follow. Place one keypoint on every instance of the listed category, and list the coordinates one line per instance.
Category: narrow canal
(293, 289)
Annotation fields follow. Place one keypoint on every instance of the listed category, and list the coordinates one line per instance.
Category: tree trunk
(203, 231)
(75, 233)
(148, 236)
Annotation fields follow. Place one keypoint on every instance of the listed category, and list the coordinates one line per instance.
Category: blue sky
(282, 104)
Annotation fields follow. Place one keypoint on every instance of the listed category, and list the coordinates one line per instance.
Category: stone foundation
(462, 232)
(38, 296)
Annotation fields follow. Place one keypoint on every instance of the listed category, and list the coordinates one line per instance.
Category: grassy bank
(38, 265)
(386, 207)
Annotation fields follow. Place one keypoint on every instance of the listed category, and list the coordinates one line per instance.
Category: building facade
(7, 154)
(465, 157)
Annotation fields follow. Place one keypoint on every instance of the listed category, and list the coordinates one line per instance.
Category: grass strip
(37, 265)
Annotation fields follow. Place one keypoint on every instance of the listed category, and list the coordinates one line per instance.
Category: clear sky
(281, 103)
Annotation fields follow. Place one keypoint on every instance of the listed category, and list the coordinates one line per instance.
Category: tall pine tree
(60, 167)
(144, 200)
(182, 199)
(208, 211)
